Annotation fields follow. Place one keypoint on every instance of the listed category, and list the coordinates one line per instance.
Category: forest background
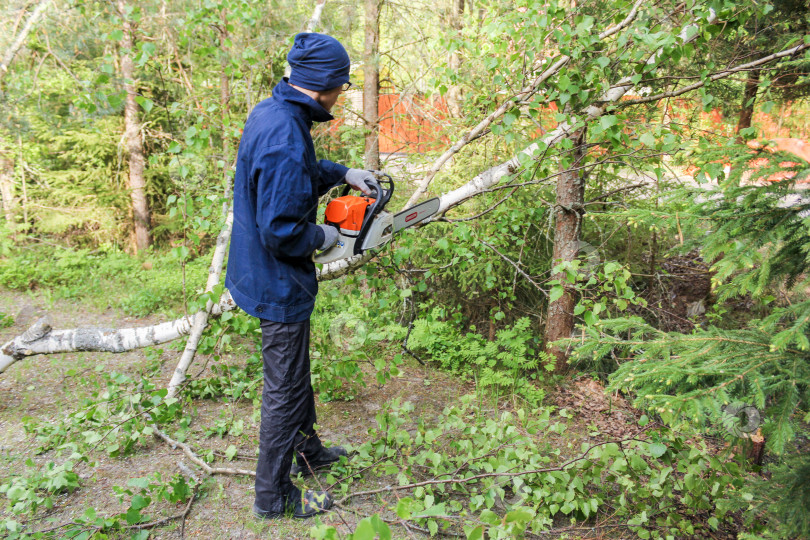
(603, 333)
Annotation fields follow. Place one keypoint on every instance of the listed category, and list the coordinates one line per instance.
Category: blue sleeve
(332, 174)
(284, 203)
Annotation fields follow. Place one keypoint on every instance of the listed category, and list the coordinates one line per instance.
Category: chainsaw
(363, 223)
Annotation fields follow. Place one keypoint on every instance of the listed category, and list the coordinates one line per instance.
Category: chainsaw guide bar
(415, 214)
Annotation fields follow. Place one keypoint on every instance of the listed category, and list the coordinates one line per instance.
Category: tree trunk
(371, 85)
(748, 101)
(568, 212)
(453, 95)
(132, 127)
(7, 188)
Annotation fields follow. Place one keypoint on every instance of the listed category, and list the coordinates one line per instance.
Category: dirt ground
(40, 388)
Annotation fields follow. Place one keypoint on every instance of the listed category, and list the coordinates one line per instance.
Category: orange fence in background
(412, 124)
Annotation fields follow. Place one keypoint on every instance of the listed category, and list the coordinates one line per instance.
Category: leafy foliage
(472, 473)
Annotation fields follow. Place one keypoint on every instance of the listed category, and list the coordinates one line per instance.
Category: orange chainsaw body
(347, 213)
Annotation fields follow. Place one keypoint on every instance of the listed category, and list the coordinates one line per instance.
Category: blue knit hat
(319, 62)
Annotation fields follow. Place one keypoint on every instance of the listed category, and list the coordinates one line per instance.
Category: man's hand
(330, 236)
(356, 178)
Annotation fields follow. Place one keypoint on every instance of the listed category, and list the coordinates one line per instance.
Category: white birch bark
(201, 317)
(11, 52)
(42, 339)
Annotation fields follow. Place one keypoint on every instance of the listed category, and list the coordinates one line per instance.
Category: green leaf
(381, 527)
(133, 516)
(555, 294)
(404, 507)
(364, 531)
(490, 517)
(146, 104)
(608, 121)
(647, 139)
(657, 450)
(139, 502)
(519, 515)
(116, 35)
(476, 534)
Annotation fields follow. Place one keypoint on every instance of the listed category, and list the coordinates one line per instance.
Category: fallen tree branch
(41, 339)
(720, 75)
(190, 454)
(503, 474)
(201, 317)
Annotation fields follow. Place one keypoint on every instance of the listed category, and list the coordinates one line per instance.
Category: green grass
(144, 284)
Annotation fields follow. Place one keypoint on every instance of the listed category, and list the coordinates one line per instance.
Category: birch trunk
(132, 128)
(568, 212)
(200, 319)
(215, 270)
(371, 85)
(41, 339)
(11, 52)
(7, 188)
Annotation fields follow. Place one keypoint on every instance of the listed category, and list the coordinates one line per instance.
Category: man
(270, 271)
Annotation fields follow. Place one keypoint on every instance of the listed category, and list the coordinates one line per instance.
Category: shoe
(308, 504)
(326, 458)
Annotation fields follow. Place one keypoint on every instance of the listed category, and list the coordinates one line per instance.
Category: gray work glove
(356, 178)
(330, 236)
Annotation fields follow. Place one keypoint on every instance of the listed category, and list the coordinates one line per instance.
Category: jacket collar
(313, 111)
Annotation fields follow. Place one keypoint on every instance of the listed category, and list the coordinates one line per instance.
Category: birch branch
(201, 317)
(15, 47)
(491, 176)
(717, 76)
(42, 339)
(508, 105)
(196, 459)
(312, 23)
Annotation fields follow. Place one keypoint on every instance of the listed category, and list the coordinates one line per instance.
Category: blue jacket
(275, 201)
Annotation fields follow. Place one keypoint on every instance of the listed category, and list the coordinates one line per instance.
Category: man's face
(328, 98)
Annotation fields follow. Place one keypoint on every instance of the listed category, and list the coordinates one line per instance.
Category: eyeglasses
(346, 86)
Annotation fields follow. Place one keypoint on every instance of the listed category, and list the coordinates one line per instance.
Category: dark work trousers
(288, 412)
